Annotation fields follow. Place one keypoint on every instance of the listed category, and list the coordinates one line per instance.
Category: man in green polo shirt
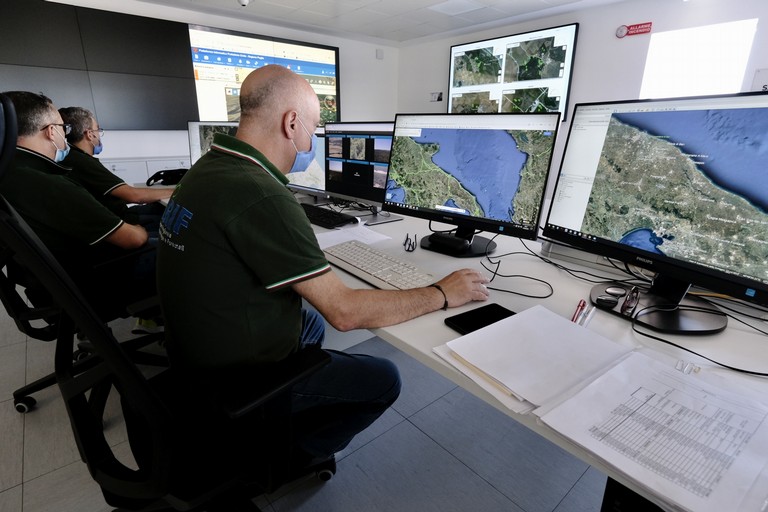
(237, 254)
(85, 143)
(76, 228)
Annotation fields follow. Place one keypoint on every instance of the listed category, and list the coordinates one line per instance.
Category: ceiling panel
(394, 22)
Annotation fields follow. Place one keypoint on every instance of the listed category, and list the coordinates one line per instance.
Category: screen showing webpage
(222, 59)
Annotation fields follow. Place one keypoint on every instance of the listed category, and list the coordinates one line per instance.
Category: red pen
(579, 309)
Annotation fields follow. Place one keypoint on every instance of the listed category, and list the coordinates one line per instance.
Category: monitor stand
(463, 243)
(665, 307)
(379, 217)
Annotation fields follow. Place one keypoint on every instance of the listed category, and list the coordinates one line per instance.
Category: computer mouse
(616, 291)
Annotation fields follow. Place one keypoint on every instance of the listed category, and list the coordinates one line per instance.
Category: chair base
(23, 402)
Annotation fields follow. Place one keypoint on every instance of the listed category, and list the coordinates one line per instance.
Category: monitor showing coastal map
(679, 186)
(482, 172)
(528, 72)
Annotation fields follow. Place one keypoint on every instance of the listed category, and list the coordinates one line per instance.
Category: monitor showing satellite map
(475, 171)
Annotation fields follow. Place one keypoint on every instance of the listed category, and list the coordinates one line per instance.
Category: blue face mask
(61, 154)
(304, 158)
(97, 147)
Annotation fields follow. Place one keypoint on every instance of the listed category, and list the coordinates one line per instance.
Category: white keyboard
(376, 267)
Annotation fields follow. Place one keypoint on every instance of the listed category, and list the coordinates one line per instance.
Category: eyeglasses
(64, 126)
(100, 131)
(410, 244)
(630, 301)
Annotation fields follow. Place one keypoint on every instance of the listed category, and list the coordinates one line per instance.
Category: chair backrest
(8, 132)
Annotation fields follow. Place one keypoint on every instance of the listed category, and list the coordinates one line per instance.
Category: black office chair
(33, 312)
(198, 444)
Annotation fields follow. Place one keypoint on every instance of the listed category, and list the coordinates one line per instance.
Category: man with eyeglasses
(75, 227)
(85, 141)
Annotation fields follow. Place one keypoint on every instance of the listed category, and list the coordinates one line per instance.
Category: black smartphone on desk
(469, 321)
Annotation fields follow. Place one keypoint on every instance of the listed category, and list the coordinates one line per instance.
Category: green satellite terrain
(476, 67)
(646, 182)
(534, 60)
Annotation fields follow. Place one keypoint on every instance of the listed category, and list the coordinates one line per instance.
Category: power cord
(673, 344)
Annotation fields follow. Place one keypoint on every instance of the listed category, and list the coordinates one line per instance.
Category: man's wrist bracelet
(445, 297)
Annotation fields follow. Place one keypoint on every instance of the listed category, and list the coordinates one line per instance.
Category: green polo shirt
(69, 221)
(232, 241)
(89, 172)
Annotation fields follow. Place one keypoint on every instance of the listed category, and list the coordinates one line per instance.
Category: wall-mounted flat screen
(528, 72)
(223, 58)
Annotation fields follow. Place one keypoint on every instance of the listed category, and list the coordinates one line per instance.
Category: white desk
(737, 345)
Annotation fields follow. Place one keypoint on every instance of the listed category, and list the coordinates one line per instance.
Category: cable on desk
(673, 344)
(573, 272)
(495, 273)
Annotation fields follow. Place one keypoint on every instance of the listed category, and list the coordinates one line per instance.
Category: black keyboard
(326, 218)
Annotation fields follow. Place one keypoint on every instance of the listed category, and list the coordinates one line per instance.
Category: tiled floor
(437, 449)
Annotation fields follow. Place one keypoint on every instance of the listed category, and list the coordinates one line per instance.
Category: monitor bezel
(463, 222)
(717, 280)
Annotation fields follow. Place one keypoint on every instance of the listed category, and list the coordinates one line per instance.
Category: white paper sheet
(536, 354)
(510, 402)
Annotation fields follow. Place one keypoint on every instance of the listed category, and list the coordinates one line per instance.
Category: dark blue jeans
(343, 398)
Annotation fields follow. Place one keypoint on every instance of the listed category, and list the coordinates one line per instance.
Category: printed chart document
(534, 356)
(701, 447)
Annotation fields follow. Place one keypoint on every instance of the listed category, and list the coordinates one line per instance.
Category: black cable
(694, 308)
(495, 273)
(573, 272)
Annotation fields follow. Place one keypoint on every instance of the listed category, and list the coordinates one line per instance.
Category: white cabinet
(137, 171)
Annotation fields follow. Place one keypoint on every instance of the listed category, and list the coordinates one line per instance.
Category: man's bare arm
(348, 308)
(128, 236)
(141, 195)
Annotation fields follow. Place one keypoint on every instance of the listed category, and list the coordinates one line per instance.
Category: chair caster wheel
(326, 469)
(325, 475)
(79, 355)
(24, 405)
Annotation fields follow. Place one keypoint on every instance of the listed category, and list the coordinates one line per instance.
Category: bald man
(75, 227)
(237, 254)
